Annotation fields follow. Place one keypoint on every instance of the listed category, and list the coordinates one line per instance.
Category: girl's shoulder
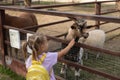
(29, 58)
(48, 55)
(52, 52)
(52, 55)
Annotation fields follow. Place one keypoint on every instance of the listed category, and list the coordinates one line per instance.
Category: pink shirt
(50, 60)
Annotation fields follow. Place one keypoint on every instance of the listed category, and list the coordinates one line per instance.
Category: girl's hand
(66, 49)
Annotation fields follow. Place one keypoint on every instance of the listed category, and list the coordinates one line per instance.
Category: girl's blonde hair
(34, 43)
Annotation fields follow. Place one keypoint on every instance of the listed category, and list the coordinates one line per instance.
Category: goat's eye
(73, 27)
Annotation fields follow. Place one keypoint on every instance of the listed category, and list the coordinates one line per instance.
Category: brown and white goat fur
(21, 21)
(95, 38)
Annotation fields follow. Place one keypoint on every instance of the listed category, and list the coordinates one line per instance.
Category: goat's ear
(85, 24)
(72, 18)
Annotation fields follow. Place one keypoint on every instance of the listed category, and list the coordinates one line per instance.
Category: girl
(39, 45)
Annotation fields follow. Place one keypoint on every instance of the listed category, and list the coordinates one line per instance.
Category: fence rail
(66, 14)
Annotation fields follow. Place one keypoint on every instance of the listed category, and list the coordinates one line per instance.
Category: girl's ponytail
(24, 49)
(34, 53)
(35, 48)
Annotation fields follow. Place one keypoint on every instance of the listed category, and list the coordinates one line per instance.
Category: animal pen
(104, 68)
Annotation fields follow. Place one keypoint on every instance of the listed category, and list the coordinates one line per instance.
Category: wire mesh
(105, 63)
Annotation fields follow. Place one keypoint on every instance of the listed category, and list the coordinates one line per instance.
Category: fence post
(97, 12)
(118, 6)
(2, 46)
(27, 3)
(13, 2)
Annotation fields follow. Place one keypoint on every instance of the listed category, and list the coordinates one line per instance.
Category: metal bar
(66, 14)
(48, 24)
(83, 67)
(19, 68)
(77, 44)
(112, 30)
(21, 30)
(54, 23)
(97, 25)
(86, 46)
(66, 42)
(26, 31)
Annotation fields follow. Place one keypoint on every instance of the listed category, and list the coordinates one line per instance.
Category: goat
(22, 21)
(94, 38)
(78, 29)
(75, 54)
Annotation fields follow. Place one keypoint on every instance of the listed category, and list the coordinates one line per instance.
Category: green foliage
(10, 73)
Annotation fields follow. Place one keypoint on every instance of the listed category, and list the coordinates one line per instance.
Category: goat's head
(79, 24)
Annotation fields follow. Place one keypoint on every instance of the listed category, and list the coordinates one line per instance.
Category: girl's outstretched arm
(66, 49)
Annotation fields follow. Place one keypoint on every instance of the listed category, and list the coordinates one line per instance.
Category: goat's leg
(77, 74)
(86, 54)
(77, 71)
(98, 55)
(80, 56)
(63, 70)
